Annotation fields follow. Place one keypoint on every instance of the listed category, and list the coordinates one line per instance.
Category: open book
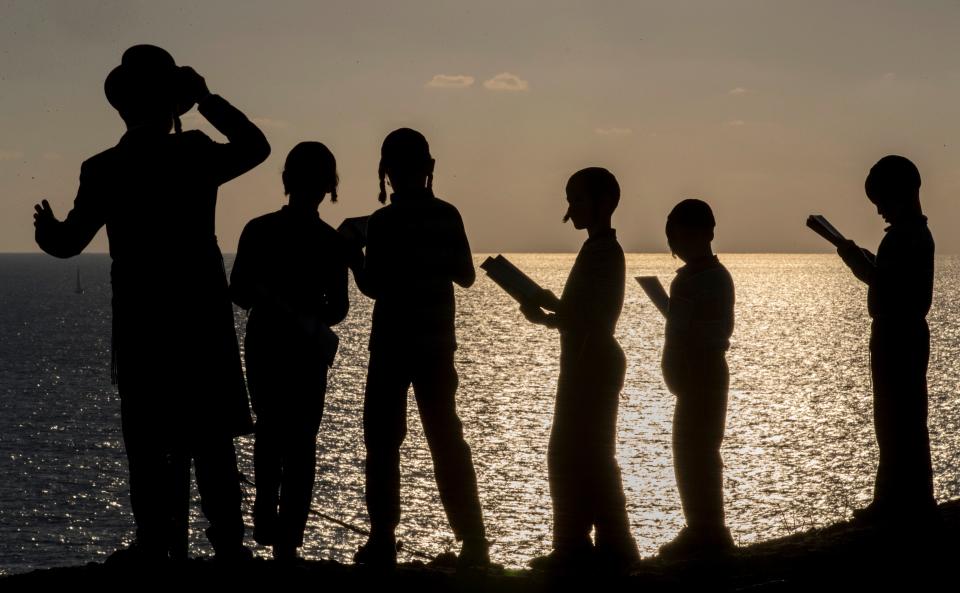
(355, 229)
(658, 295)
(822, 227)
(509, 277)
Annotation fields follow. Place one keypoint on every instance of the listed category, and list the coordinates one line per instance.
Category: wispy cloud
(613, 131)
(268, 123)
(506, 82)
(889, 75)
(738, 91)
(735, 123)
(10, 155)
(450, 81)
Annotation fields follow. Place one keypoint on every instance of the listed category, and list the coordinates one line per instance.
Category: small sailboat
(79, 288)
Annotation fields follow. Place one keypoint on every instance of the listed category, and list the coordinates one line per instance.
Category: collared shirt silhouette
(175, 355)
(699, 319)
(416, 248)
(291, 273)
(900, 289)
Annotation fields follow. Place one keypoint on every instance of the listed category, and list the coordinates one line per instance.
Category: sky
(767, 110)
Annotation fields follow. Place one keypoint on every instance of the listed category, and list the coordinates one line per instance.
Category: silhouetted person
(416, 249)
(700, 319)
(585, 482)
(291, 273)
(900, 288)
(176, 360)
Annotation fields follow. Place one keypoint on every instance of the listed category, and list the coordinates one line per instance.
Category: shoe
(474, 554)
(238, 554)
(564, 562)
(136, 554)
(286, 555)
(619, 561)
(698, 544)
(917, 517)
(377, 553)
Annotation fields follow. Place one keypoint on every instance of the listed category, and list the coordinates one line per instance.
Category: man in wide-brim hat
(176, 360)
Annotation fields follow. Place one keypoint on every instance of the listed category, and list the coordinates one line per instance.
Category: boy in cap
(176, 361)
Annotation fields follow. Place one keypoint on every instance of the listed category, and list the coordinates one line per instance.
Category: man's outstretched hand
(43, 217)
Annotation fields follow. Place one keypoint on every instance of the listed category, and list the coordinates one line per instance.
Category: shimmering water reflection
(799, 450)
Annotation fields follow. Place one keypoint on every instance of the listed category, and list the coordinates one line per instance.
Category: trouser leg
(178, 501)
(218, 482)
(567, 464)
(296, 490)
(607, 501)
(698, 427)
(148, 465)
(904, 473)
(384, 428)
(435, 386)
(267, 471)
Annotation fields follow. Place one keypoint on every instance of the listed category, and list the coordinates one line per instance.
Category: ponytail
(383, 183)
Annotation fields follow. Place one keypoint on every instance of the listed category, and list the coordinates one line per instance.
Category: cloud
(450, 81)
(10, 155)
(737, 91)
(52, 156)
(889, 76)
(268, 123)
(735, 123)
(613, 131)
(506, 82)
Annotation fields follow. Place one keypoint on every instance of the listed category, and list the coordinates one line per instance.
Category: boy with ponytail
(416, 250)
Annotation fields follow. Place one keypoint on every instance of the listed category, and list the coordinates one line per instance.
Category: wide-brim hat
(148, 78)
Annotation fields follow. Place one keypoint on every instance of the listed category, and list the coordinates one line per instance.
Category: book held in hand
(822, 227)
(655, 290)
(509, 277)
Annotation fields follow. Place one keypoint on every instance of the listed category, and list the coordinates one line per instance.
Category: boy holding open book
(900, 289)
(585, 482)
(699, 312)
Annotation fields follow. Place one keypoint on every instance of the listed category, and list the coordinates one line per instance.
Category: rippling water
(799, 449)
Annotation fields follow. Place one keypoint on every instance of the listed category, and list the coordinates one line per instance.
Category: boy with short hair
(585, 482)
(700, 318)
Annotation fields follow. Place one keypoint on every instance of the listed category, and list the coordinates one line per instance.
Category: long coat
(175, 348)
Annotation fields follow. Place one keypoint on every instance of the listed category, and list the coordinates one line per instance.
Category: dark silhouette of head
(592, 196)
(405, 160)
(309, 174)
(148, 88)
(690, 229)
(893, 185)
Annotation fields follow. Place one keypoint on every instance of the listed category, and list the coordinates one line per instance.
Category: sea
(799, 450)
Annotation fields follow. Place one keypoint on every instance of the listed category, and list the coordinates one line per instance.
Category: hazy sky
(768, 110)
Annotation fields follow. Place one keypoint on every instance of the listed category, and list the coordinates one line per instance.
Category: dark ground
(839, 557)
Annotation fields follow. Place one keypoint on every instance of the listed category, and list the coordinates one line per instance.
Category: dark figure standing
(416, 249)
(585, 482)
(291, 273)
(700, 317)
(176, 360)
(900, 289)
